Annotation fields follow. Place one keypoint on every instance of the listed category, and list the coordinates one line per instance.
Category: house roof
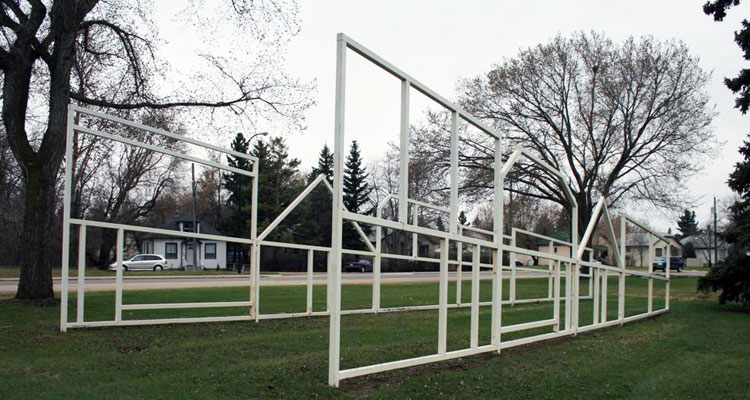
(560, 235)
(640, 239)
(174, 225)
(703, 241)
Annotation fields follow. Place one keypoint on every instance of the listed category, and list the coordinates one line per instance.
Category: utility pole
(195, 223)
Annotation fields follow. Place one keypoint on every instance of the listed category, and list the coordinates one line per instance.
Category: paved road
(289, 279)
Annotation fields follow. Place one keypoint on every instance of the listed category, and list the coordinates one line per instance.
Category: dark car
(358, 266)
(675, 264)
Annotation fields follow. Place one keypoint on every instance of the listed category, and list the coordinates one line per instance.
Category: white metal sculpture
(565, 303)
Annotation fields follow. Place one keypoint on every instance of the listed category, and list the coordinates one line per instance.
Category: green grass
(697, 351)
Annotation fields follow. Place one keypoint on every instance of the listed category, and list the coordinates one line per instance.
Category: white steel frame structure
(497, 244)
(74, 114)
(565, 300)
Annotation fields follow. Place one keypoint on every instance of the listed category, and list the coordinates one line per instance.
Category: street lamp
(239, 206)
(256, 134)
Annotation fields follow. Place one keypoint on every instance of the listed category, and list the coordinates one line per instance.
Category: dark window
(210, 251)
(171, 250)
(137, 258)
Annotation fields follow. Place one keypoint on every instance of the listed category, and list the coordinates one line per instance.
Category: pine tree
(687, 224)
(741, 83)
(238, 186)
(356, 189)
(325, 165)
(277, 183)
(356, 193)
(316, 227)
(731, 276)
(462, 218)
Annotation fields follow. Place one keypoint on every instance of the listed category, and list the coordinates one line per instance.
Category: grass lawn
(697, 351)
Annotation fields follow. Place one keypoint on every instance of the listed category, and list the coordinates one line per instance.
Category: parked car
(358, 266)
(143, 262)
(675, 263)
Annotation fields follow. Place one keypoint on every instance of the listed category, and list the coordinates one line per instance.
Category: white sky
(439, 42)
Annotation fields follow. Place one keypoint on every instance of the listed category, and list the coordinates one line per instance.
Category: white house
(212, 254)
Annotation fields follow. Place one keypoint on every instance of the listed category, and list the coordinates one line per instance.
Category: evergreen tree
(325, 165)
(731, 276)
(277, 183)
(356, 193)
(741, 83)
(462, 218)
(356, 189)
(238, 186)
(316, 227)
(687, 224)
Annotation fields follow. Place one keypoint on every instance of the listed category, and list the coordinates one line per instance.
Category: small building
(636, 254)
(212, 254)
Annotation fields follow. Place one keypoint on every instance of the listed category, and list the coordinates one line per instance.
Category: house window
(658, 252)
(171, 250)
(148, 247)
(210, 251)
(555, 249)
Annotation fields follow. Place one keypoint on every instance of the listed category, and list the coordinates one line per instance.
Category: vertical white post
(118, 276)
(549, 267)
(403, 171)
(443, 299)
(556, 298)
(573, 272)
(66, 221)
(575, 289)
(591, 277)
(376, 267)
(474, 341)
(669, 267)
(254, 247)
(414, 222)
(255, 251)
(334, 287)
(650, 271)
(81, 272)
(604, 274)
(497, 275)
(568, 295)
(328, 281)
(459, 271)
(310, 257)
(512, 260)
(594, 281)
(621, 284)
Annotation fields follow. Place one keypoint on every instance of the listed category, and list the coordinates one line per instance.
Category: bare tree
(104, 54)
(627, 121)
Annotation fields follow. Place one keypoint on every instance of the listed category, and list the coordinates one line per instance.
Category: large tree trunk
(42, 166)
(106, 245)
(37, 255)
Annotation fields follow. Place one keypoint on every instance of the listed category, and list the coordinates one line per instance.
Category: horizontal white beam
(162, 132)
(165, 306)
(162, 150)
(158, 231)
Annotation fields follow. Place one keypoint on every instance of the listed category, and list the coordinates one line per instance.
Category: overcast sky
(439, 42)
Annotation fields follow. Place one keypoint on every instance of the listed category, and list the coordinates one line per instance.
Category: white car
(143, 262)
